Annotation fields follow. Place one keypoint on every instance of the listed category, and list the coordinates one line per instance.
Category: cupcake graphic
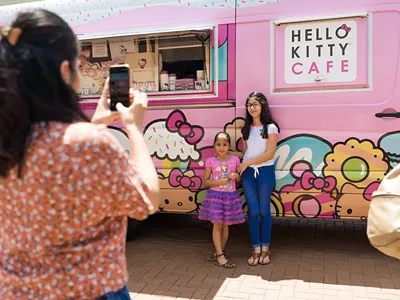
(174, 141)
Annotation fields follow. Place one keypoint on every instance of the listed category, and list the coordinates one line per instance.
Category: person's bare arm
(143, 162)
(244, 148)
(133, 117)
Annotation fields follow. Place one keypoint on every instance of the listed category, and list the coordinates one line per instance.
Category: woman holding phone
(66, 184)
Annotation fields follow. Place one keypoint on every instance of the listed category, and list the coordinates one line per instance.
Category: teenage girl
(222, 205)
(260, 137)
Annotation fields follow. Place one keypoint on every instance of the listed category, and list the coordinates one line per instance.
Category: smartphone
(119, 85)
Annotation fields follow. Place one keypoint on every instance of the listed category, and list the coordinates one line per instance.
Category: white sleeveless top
(256, 145)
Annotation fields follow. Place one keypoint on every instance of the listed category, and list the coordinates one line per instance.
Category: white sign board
(324, 51)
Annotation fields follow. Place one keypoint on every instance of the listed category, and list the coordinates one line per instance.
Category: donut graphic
(309, 196)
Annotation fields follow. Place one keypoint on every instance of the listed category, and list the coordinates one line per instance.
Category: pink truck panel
(328, 68)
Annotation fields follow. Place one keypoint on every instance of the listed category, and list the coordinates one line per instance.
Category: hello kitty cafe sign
(321, 53)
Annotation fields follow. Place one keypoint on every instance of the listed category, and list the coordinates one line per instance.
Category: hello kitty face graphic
(353, 202)
(84, 57)
(179, 191)
(122, 49)
(142, 63)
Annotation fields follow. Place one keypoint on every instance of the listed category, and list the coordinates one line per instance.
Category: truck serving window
(175, 63)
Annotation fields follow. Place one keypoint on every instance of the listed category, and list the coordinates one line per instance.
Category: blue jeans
(258, 187)
(122, 294)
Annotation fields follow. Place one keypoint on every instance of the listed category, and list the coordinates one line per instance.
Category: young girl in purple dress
(222, 205)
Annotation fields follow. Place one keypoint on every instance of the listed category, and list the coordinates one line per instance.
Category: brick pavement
(310, 260)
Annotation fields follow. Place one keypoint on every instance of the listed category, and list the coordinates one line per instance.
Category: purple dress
(222, 204)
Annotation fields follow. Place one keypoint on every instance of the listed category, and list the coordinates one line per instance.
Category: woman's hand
(242, 167)
(103, 114)
(134, 114)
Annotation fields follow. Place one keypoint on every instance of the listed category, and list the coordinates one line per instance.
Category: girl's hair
(32, 89)
(266, 116)
(223, 135)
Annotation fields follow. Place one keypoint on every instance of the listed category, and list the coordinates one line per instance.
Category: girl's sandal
(256, 257)
(264, 255)
(227, 265)
(213, 257)
(226, 256)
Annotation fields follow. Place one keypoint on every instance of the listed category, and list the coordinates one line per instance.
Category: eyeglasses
(253, 105)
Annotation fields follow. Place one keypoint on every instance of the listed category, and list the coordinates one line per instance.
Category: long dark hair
(32, 89)
(266, 116)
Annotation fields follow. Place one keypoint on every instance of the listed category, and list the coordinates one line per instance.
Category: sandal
(213, 257)
(264, 255)
(227, 265)
(256, 258)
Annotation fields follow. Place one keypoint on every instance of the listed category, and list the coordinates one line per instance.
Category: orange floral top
(63, 224)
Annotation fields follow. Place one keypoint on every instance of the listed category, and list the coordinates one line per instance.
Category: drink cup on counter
(199, 75)
(164, 81)
(172, 82)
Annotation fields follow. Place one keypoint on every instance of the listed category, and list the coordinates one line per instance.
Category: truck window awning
(102, 35)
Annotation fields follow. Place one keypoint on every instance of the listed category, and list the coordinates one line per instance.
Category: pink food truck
(330, 70)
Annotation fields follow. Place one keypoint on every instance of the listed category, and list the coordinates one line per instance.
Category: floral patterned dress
(63, 223)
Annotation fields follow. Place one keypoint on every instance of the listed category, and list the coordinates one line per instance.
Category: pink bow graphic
(176, 122)
(177, 178)
(370, 189)
(345, 27)
(309, 180)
